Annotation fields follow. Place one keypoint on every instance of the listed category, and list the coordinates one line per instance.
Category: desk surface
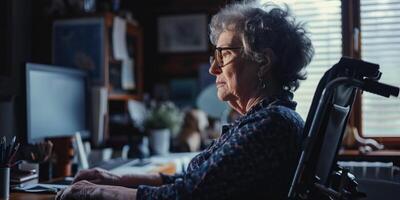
(168, 168)
(171, 165)
(30, 196)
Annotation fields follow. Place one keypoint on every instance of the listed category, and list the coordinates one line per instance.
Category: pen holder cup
(4, 183)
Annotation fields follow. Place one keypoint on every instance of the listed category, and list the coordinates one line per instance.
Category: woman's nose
(214, 69)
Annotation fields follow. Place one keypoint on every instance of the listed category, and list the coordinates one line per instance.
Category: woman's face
(237, 79)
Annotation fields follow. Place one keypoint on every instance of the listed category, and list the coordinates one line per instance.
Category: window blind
(322, 20)
(380, 43)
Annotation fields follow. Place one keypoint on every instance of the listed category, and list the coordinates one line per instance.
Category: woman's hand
(88, 190)
(97, 176)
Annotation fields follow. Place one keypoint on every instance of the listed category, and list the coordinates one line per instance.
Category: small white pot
(159, 141)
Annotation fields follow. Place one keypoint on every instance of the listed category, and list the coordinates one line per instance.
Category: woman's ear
(270, 60)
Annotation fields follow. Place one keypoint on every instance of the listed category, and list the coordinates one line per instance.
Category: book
(25, 183)
(20, 176)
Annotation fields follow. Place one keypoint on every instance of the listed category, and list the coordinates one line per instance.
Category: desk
(168, 168)
(169, 164)
(30, 196)
(173, 163)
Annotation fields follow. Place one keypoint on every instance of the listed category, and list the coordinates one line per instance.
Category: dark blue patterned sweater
(254, 158)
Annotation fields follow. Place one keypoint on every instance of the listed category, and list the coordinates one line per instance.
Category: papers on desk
(41, 188)
(171, 163)
(135, 167)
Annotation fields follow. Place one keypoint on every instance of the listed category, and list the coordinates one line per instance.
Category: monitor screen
(56, 101)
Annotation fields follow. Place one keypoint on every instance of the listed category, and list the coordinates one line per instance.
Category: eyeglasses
(218, 58)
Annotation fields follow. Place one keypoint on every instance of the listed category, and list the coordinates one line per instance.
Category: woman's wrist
(134, 180)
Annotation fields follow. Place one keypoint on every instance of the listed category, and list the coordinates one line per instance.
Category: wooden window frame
(351, 21)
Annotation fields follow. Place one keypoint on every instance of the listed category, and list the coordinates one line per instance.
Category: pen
(3, 149)
(14, 152)
(13, 141)
(15, 163)
(10, 148)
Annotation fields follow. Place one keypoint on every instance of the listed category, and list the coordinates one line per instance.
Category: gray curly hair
(268, 27)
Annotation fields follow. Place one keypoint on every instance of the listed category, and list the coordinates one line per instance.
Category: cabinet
(111, 50)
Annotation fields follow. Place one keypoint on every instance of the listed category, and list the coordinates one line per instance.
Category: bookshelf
(118, 132)
(134, 39)
(123, 97)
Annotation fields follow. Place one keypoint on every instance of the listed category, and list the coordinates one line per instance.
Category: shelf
(123, 97)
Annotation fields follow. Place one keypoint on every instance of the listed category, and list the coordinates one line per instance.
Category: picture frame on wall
(80, 43)
(182, 33)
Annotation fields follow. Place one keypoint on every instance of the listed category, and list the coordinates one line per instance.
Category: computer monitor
(56, 102)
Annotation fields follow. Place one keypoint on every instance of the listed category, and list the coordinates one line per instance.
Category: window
(380, 43)
(323, 22)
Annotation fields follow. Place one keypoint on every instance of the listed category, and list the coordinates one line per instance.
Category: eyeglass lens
(216, 58)
(218, 55)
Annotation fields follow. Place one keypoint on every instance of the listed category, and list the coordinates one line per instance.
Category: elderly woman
(259, 58)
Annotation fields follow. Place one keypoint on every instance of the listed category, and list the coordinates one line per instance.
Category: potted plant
(163, 120)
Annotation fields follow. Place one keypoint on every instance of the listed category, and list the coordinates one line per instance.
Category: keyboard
(117, 162)
(63, 181)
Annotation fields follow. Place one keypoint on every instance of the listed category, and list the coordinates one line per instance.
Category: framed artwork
(182, 33)
(80, 43)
